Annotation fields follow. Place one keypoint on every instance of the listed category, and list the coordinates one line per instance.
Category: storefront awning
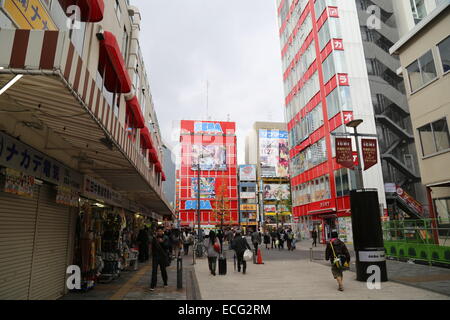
(112, 66)
(134, 108)
(90, 10)
(153, 155)
(146, 139)
(163, 176)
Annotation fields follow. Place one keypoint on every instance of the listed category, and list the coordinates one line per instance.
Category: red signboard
(343, 79)
(338, 44)
(410, 200)
(369, 152)
(344, 155)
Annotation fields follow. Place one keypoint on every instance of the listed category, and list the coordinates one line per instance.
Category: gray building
(169, 170)
(392, 116)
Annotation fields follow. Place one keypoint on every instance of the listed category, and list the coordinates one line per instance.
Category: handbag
(277, 243)
(248, 255)
(217, 246)
(339, 261)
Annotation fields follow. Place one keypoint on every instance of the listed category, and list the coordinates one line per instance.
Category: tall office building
(208, 150)
(326, 86)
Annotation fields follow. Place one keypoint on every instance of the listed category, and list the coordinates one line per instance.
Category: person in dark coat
(281, 238)
(160, 256)
(143, 239)
(314, 236)
(274, 237)
(239, 245)
(340, 249)
(267, 239)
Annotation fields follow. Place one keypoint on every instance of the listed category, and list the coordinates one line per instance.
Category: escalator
(404, 201)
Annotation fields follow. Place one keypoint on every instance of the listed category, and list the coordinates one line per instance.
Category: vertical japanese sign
(369, 151)
(344, 154)
(29, 14)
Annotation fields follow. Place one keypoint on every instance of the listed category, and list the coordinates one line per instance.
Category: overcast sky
(233, 44)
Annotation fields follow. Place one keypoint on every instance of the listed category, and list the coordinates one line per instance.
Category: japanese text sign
(344, 155)
(369, 151)
(29, 14)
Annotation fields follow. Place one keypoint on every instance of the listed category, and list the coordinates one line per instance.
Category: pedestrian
(212, 245)
(176, 242)
(256, 240)
(229, 236)
(220, 236)
(289, 237)
(314, 236)
(294, 240)
(239, 245)
(143, 239)
(188, 240)
(337, 250)
(267, 239)
(281, 238)
(274, 237)
(160, 256)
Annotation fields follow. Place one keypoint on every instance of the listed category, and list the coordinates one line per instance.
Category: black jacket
(239, 244)
(160, 249)
(339, 248)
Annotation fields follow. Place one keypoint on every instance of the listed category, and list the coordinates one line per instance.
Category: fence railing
(418, 240)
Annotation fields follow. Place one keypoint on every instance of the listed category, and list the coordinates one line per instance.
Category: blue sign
(192, 205)
(273, 134)
(209, 127)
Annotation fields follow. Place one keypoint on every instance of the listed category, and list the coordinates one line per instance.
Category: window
(444, 50)
(345, 180)
(125, 44)
(442, 206)
(434, 137)
(338, 100)
(418, 10)
(117, 9)
(421, 71)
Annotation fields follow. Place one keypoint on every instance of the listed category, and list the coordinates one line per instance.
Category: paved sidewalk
(134, 285)
(296, 278)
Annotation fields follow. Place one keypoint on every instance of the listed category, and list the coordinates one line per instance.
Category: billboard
(274, 153)
(249, 207)
(276, 192)
(247, 172)
(207, 188)
(212, 157)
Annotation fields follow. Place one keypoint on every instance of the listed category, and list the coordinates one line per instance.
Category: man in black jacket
(239, 245)
(160, 256)
(336, 249)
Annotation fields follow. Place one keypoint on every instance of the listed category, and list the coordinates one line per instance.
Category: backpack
(340, 260)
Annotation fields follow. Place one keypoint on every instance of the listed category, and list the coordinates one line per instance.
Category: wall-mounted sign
(207, 187)
(273, 153)
(247, 172)
(207, 127)
(29, 14)
(21, 157)
(248, 195)
(67, 196)
(98, 191)
(18, 183)
(344, 155)
(369, 152)
(249, 207)
(211, 157)
(192, 205)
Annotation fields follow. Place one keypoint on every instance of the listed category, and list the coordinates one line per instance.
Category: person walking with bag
(160, 256)
(256, 240)
(274, 237)
(339, 257)
(212, 245)
(240, 245)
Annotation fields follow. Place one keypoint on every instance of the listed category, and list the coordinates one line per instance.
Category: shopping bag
(248, 255)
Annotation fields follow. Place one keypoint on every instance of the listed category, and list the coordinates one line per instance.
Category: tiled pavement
(134, 285)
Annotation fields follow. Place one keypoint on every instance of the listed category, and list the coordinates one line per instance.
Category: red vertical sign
(369, 152)
(344, 155)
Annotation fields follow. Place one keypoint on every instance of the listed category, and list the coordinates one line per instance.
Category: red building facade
(317, 103)
(210, 146)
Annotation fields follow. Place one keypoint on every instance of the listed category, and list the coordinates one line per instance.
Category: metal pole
(359, 177)
(239, 198)
(198, 197)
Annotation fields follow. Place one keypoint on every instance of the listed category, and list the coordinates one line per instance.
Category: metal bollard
(179, 272)
(310, 254)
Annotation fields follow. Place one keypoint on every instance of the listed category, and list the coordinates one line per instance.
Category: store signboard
(247, 172)
(276, 192)
(94, 190)
(249, 207)
(67, 196)
(211, 157)
(17, 155)
(344, 155)
(248, 195)
(410, 200)
(274, 153)
(207, 188)
(18, 183)
(369, 152)
(29, 14)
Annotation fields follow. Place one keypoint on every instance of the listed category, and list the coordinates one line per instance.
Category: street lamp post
(359, 177)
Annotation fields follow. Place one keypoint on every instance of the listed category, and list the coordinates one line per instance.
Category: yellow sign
(249, 223)
(281, 214)
(29, 14)
(248, 207)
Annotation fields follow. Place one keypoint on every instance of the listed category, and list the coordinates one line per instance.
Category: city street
(285, 275)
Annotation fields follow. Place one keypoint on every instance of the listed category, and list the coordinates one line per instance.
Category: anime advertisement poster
(247, 172)
(211, 157)
(207, 188)
(276, 192)
(274, 153)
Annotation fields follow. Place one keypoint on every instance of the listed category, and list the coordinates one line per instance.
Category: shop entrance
(329, 227)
